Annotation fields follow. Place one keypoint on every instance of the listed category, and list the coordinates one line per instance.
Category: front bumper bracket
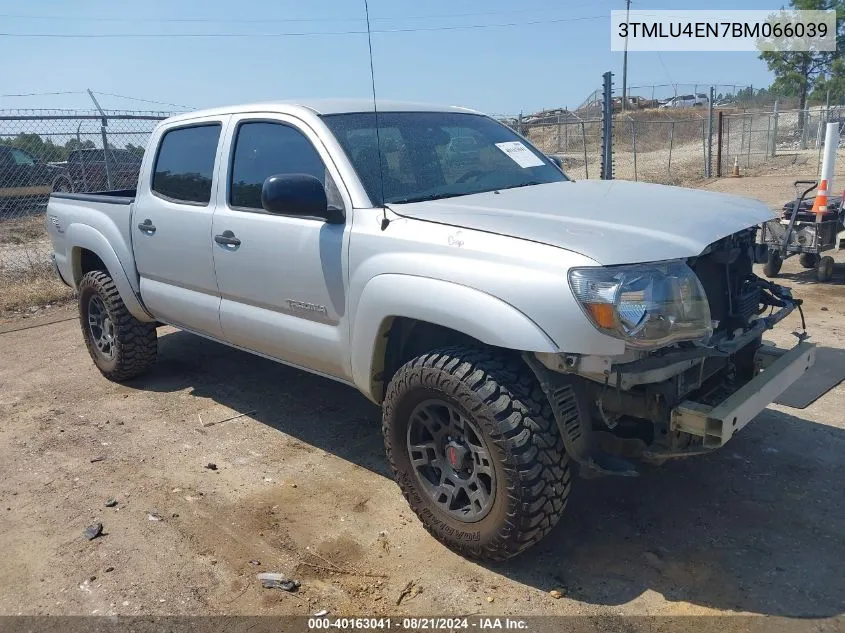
(717, 424)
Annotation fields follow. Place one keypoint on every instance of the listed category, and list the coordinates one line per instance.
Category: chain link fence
(649, 145)
(672, 146)
(56, 150)
(46, 151)
(751, 139)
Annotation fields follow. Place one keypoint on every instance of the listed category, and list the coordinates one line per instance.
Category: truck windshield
(432, 155)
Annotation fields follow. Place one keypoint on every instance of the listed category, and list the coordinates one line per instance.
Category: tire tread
(527, 434)
(135, 341)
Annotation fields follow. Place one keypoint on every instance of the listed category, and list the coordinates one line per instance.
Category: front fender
(461, 308)
(82, 236)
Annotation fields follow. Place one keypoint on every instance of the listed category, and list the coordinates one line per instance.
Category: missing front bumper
(717, 424)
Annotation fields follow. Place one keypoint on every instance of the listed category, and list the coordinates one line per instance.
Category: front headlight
(646, 305)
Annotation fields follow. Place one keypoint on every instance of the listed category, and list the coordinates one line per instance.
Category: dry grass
(22, 230)
(27, 279)
(23, 291)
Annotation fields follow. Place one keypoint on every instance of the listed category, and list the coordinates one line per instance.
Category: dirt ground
(300, 487)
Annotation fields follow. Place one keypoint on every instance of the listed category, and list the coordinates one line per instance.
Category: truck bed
(97, 222)
(113, 196)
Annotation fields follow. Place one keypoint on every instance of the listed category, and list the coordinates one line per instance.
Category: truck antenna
(384, 220)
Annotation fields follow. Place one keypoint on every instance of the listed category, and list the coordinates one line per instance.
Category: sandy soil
(301, 487)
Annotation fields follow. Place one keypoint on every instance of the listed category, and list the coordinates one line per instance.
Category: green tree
(74, 144)
(138, 150)
(832, 85)
(802, 73)
(37, 146)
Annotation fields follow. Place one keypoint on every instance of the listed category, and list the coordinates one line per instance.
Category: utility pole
(625, 60)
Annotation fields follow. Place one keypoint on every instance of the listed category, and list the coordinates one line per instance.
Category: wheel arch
(91, 251)
(401, 316)
(62, 179)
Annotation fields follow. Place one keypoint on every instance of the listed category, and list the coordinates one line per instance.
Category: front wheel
(824, 272)
(120, 345)
(475, 449)
(773, 264)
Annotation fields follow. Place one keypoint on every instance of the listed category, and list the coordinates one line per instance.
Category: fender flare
(86, 237)
(461, 308)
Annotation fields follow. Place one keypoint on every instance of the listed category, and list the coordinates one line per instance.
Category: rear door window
(22, 158)
(185, 163)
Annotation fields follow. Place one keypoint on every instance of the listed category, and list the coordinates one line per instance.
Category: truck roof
(323, 106)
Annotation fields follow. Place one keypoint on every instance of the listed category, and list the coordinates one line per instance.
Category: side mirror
(556, 161)
(299, 195)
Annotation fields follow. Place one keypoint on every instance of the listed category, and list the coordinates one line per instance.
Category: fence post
(804, 116)
(566, 134)
(584, 141)
(671, 144)
(775, 131)
(768, 137)
(558, 132)
(104, 123)
(634, 145)
(719, 144)
(750, 130)
(708, 167)
(827, 108)
(607, 127)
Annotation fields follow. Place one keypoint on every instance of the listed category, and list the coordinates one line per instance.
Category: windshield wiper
(426, 198)
(530, 183)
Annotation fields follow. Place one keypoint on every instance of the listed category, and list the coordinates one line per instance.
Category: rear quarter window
(185, 163)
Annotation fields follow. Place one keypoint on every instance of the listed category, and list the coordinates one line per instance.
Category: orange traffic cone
(820, 204)
(735, 173)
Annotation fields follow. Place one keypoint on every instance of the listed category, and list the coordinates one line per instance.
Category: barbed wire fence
(42, 151)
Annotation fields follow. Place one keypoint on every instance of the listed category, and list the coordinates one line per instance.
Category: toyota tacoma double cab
(513, 324)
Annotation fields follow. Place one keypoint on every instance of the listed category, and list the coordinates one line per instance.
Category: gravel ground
(299, 486)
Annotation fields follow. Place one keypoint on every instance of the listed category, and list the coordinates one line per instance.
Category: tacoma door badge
(304, 306)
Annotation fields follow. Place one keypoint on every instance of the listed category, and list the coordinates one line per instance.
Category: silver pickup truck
(511, 322)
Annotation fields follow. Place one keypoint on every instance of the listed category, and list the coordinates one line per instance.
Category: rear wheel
(120, 345)
(475, 449)
(808, 260)
(62, 185)
(773, 264)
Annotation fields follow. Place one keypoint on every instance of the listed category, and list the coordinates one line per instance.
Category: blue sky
(557, 61)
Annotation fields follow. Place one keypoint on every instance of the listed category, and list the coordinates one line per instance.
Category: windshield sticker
(520, 154)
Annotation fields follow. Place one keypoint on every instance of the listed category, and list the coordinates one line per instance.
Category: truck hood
(609, 221)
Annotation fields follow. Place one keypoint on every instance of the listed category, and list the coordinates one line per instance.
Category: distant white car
(687, 101)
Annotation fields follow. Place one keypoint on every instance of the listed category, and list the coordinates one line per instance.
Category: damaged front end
(690, 396)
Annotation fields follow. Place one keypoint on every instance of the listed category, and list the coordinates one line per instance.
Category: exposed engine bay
(661, 404)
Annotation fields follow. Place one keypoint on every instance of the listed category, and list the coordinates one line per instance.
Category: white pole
(831, 145)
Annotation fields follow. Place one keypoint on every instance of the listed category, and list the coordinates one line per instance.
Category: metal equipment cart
(800, 232)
